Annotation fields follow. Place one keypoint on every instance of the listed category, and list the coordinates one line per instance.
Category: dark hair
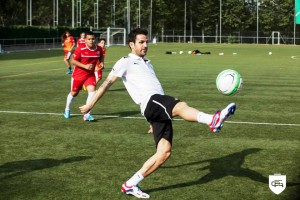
(89, 33)
(134, 32)
(63, 36)
(100, 39)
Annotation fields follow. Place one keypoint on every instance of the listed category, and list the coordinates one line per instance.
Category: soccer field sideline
(128, 117)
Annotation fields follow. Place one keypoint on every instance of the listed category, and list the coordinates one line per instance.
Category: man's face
(90, 40)
(140, 46)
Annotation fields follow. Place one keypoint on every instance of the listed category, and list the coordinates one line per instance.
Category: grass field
(44, 156)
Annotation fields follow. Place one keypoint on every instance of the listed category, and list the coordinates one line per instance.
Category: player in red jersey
(68, 43)
(81, 40)
(84, 60)
(99, 66)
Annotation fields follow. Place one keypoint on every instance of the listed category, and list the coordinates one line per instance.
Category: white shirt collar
(138, 58)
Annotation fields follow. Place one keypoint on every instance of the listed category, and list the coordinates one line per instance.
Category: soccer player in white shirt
(145, 89)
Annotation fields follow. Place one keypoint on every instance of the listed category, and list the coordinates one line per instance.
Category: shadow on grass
(117, 90)
(103, 116)
(121, 114)
(18, 168)
(230, 165)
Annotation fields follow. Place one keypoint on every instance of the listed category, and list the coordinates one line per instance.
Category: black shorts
(159, 113)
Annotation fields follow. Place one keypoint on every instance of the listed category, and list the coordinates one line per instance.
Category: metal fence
(229, 39)
(27, 44)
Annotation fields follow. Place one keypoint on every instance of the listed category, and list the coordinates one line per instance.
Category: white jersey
(139, 78)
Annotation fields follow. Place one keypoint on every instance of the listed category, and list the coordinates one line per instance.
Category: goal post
(275, 37)
(113, 36)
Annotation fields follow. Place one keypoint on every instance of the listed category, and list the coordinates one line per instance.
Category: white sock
(70, 99)
(89, 98)
(204, 118)
(135, 179)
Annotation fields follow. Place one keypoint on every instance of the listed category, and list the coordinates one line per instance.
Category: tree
(12, 12)
(41, 13)
(206, 15)
(202, 15)
(276, 15)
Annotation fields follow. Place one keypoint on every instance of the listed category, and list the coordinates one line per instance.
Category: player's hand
(89, 66)
(85, 109)
(102, 66)
(150, 131)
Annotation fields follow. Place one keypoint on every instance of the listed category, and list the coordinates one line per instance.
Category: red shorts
(98, 74)
(67, 54)
(76, 84)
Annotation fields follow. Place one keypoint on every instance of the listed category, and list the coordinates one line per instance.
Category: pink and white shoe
(88, 117)
(220, 116)
(134, 190)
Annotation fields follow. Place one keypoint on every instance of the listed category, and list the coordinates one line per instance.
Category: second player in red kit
(84, 60)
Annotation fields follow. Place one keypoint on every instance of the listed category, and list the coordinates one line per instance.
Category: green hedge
(37, 32)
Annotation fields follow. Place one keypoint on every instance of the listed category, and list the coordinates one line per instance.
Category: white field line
(23, 74)
(29, 64)
(128, 117)
(295, 57)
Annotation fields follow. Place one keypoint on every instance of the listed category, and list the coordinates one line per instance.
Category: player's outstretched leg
(134, 190)
(220, 116)
(215, 121)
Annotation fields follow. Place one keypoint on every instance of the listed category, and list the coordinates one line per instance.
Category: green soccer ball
(229, 82)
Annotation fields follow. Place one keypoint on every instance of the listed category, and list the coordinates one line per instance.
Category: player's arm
(101, 60)
(73, 44)
(62, 42)
(100, 92)
(79, 64)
